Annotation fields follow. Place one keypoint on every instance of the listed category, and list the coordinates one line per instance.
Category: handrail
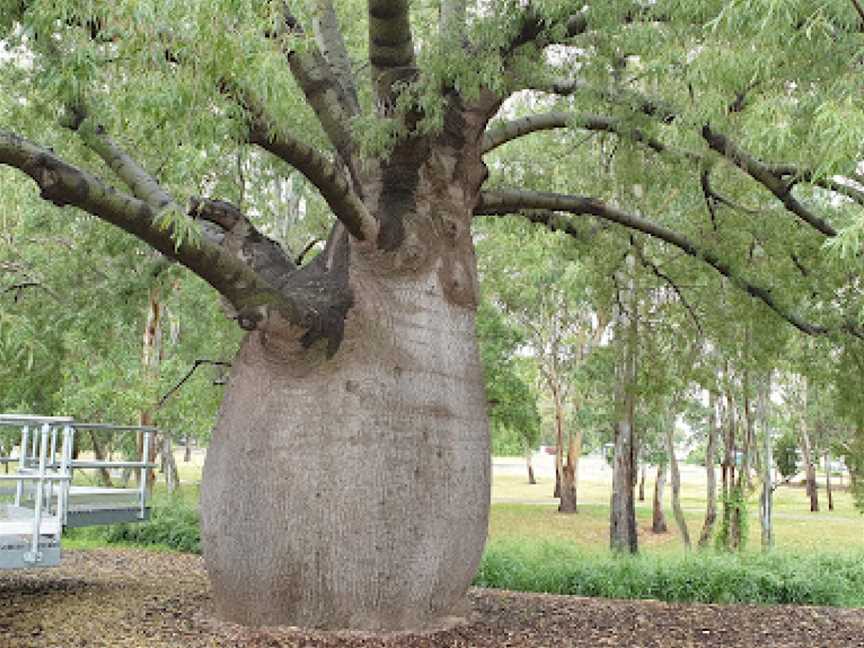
(19, 419)
(83, 463)
(112, 427)
(35, 477)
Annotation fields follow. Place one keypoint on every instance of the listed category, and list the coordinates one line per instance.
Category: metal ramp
(45, 498)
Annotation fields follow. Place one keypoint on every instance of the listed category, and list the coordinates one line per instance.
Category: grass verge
(701, 577)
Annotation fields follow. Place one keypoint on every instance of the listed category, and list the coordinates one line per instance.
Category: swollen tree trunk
(828, 481)
(711, 473)
(658, 518)
(347, 481)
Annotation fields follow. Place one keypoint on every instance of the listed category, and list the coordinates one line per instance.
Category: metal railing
(36, 468)
(40, 463)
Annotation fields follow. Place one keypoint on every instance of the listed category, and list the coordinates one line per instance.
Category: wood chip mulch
(141, 598)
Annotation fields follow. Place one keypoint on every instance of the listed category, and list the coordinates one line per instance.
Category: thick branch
(508, 131)
(264, 255)
(504, 202)
(767, 177)
(324, 93)
(142, 185)
(391, 47)
(537, 29)
(332, 47)
(321, 172)
(63, 184)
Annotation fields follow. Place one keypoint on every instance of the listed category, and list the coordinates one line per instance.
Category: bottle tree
(353, 439)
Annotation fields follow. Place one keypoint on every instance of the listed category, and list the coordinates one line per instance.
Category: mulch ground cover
(142, 598)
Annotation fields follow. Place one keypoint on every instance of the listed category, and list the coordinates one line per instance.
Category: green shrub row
(174, 523)
(704, 577)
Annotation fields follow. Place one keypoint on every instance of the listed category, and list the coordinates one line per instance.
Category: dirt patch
(140, 598)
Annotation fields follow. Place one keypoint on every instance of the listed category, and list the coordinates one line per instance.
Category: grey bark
(642, 469)
(809, 467)
(766, 501)
(828, 491)
(622, 511)
(677, 511)
(169, 465)
(530, 467)
(710, 472)
(658, 517)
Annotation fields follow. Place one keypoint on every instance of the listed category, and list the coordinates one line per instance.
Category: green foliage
(701, 577)
(786, 454)
(513, 414)
(734, 511)
(174, 523)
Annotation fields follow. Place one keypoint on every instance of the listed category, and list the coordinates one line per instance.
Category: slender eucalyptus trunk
(169, 465)
(728, 468)
(642, 470)
(658, 518)
(809, 467)
(766, 502)
(710, 472)
(568, 502)
(99, 454)
(531, 479)
(559, 435)
(187, 449)
(151, 363)
(622, 511)
(828, 481)
(675, 474)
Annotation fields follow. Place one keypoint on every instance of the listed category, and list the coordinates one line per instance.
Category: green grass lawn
(795, 528)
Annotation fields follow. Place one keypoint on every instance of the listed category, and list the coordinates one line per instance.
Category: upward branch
(520, 202)
(321, 172)
(332, 46)
(391, 48)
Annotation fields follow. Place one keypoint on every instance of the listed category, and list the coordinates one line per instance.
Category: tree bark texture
(828, 492)
(347, 482)
(658, 518)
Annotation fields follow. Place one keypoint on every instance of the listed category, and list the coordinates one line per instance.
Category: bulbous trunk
(352, 490)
